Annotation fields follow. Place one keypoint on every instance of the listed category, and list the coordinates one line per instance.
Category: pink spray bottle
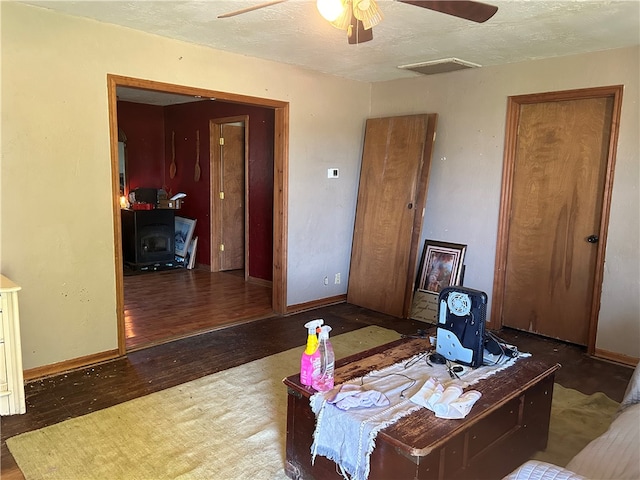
(323, 367)
(310, 352)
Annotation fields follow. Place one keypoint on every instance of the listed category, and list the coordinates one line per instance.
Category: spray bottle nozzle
(313, 326)
(324, 332)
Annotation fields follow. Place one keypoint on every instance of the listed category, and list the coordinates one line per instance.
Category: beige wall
(464, 190)
(57, 219)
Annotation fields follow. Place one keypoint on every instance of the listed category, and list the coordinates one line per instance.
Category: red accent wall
(137, 120)
(144, 127)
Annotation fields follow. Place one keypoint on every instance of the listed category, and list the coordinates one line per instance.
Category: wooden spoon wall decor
(172, 167)
(196, 175)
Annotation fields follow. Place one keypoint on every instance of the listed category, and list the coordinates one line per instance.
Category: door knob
(593, 239)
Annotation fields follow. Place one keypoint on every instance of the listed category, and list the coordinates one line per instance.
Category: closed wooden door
(232, 203)
(228, 196)
(393, 185)
(559, 190)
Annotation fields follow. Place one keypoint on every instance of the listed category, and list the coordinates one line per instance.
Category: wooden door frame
(215, 126)
(280, 183)
(511, 138)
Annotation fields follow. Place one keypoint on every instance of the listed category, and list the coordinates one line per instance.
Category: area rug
(231, 425)
(576, 419)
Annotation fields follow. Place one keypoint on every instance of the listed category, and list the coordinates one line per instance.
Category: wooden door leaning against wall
(557, 180)
(394, 176)
(228, 194)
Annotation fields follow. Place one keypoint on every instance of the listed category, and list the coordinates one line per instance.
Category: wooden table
(505, 427)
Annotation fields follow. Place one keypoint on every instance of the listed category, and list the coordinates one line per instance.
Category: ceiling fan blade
(357, 33)
(475, 11)
(250, 9)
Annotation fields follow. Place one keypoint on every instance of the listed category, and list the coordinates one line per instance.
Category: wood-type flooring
(57, 398)
(166, 305)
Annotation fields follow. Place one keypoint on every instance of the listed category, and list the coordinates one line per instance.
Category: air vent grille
(444, 65)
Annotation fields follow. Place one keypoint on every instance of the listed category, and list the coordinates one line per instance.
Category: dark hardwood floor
(146, 370)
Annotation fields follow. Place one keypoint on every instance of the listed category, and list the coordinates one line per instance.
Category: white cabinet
(11, 379)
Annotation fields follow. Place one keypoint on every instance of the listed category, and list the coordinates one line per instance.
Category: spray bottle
(310, 352)
(322, 379)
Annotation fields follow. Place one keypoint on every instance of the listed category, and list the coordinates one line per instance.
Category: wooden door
(393, 185)
(232, 203)
(228, 195)
(562, 167)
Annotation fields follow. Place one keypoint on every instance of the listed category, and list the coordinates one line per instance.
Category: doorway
(556, 194)
(280, 171)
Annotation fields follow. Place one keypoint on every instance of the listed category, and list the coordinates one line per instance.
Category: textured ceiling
(293, 32)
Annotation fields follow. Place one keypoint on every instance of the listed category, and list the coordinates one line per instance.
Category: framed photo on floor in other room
(184, 231)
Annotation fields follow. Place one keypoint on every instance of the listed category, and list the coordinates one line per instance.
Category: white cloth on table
(451, 402)
(348, 396)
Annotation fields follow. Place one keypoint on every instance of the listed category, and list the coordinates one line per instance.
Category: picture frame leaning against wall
(441, 265)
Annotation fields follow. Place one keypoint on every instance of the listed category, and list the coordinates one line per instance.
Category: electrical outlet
(326, 280)
(333, 173)
(337, 279)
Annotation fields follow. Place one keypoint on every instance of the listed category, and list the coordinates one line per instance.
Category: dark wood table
(506, 426)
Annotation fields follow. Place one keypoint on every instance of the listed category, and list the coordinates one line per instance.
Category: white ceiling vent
(439, 66)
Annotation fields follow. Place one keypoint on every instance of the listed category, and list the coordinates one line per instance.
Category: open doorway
(278, 237)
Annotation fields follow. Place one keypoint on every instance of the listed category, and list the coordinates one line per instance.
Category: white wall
(57, 225)
(464, 190)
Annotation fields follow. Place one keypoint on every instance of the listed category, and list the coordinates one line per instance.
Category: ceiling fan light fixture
(343, 22)
(367, 12)
(330, 10)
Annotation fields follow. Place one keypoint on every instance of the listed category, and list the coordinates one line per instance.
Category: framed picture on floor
(184, 232)
(441, 266)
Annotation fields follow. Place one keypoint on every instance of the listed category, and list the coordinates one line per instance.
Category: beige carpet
(576, 419)
(229, 425)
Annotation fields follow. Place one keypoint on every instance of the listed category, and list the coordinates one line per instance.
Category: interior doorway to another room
(242, 301)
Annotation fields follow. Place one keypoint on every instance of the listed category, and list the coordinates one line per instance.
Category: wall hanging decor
(172, 167)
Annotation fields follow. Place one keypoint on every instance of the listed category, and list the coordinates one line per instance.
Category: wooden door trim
(214, 161)
(117, 220)
(280, 184)
(513, 119)
(280, 208)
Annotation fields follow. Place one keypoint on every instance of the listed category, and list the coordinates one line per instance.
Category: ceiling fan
(358, 17)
